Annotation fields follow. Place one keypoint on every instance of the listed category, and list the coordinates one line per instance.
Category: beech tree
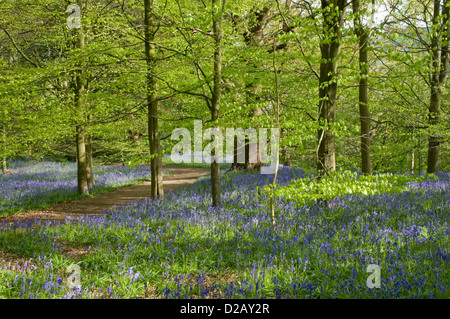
(4, 147)
(157, 190)
(217, 11)
(141, 67)
(333, 19)
(363, 33)
(257, 19)
(439, 51)
(421, 31)
(79, 101)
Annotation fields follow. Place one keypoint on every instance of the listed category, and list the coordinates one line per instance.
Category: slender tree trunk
(81, 161)
(4, 147)
(80, 128)
(419, 151)
(363, 36)
(440, 65)
(433, 119)
(435, 98)
(89, 161)
(277, 118)
(234, 165)
(326, 158)
(157, 190)
(217, 90)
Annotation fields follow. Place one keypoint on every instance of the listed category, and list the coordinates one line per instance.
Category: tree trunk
(277, 118)
(257, 165)
(4, 148)
(80, 128)
(81, 161)
(326, 158)
(433, 138)
(235, 165)
(363, 35)
(440, 65)
(217, 90)
(157, 190)
(89, 161)
(253, 37)
(89, 157)
(286, 156)
(435, 98)
(419, 153)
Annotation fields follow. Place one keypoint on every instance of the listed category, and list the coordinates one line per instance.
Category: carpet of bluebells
(41, 183)
(183, 248)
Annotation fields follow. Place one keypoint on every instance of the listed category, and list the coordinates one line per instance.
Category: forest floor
(178, 177)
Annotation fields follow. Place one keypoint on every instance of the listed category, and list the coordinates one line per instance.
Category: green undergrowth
(337, 184)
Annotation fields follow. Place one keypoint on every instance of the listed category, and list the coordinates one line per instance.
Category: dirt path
(180, 177)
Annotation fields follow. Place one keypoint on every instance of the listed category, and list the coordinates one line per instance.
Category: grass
(183, 248)
(39, 185)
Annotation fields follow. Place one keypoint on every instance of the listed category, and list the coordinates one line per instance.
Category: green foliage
(36, 91)
(336, 184)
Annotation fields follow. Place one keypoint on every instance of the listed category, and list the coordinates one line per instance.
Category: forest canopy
(360, 84)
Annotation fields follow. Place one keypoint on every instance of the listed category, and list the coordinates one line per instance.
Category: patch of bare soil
(13, 262)
(9, 171)
(74, 252)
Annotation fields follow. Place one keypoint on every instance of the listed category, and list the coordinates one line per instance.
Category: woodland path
(179, 177)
